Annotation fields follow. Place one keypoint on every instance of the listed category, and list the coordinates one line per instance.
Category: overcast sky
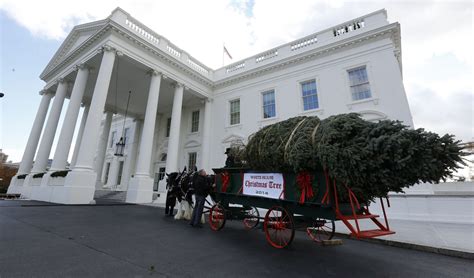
(437, 44)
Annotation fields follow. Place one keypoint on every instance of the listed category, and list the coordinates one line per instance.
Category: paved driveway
(139, 241)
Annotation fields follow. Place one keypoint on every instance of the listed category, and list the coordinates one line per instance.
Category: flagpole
(223, 47)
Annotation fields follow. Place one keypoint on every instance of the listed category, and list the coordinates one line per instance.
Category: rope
(291, 136)
(313, 134)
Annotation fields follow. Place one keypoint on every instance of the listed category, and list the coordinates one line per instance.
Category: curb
(414, 246)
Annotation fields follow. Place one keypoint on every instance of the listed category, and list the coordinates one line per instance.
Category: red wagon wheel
(321, 229)
(279, 227)
(217, 217)
(252, 217)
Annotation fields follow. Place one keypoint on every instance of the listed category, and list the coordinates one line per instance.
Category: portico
(99, 77)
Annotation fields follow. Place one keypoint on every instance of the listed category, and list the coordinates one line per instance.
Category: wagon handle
(384, 213)
(325, 198)
(351, 193)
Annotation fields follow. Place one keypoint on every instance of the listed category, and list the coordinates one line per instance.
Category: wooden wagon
(293, 201)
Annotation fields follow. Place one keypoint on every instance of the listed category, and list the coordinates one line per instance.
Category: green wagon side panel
(311, 207)
(292, 191)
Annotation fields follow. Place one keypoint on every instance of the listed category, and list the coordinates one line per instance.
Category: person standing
(230, 161)
(202, 187)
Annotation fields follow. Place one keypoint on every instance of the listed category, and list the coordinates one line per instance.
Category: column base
(79, 188)
(29, 184)
(44, 191)
(140, 190)
(16, 186)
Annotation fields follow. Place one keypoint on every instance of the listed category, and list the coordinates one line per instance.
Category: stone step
(110, 195)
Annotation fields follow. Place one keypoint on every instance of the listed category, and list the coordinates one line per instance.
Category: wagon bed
(307, 201)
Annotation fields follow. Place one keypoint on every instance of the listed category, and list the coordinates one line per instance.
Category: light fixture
(120, 146)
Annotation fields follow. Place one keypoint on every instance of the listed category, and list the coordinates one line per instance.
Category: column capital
(82, 66)
(154, 72)
(177, 84)
(106, 48)
(43, 92)
(60, 80)
(207, 100)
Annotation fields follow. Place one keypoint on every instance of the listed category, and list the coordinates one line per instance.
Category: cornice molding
(392, 29)
(111, 26)
(167, 58)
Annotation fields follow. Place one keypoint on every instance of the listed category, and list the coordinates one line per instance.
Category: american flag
(227, 52)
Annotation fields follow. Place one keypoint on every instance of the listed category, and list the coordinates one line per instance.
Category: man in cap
(230, 161)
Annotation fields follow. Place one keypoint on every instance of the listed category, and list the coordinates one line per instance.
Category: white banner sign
(268, 185)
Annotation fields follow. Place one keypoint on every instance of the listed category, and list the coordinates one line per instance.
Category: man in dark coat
(202, 187)
(230, 161)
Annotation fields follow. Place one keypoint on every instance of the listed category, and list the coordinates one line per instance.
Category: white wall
(330, 72)
(451, 202)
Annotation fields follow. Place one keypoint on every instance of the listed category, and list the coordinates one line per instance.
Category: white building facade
(182, 113)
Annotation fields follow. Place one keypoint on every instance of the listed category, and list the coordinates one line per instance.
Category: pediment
(192, 144)
(372, 116)
(78, 35)
(233, 139)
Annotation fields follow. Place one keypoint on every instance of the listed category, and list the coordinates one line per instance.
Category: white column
(32, 143)
(132, 158)
(85, 159)
(173, 143)
(104, 139)
(140, 189)
(113, 173)
(69, 124)
(50, 130)
(79, 185)
(206, 139)
(79, 136)
(35, 133)
(154, 148)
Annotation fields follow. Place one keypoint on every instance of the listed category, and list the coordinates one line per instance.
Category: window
(106, 175)
(112, 139)
(125, 135)
(195, 121)
(120, 172)
(163, 157)
(161, 173)
(359, 82)
(269, 110)
(235, 112)
(192, 160)
(156, 181)
(168, 127)
(310, 95)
